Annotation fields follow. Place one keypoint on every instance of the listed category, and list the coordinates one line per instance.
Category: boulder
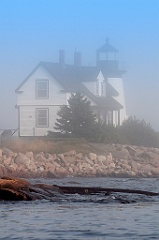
(29, 155)
(92, 156)
(1, 152)
(79, 156)
(131, 150)
(61, 172)
(51, 173)
(22, 159)
(145, 155)
(40, 157)
(7, 152)
(50, 157)
(7, 161)
(70, 153)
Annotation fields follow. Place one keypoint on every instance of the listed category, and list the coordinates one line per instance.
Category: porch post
(105, 117)
(98, 115)
(112, 117)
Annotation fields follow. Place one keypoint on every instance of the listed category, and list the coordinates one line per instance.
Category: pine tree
(77, 118)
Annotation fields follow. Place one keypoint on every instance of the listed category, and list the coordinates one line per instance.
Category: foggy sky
(34, 30)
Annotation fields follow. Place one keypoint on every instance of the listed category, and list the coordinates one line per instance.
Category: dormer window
(42, 88)
(102, 89)
(97, 88)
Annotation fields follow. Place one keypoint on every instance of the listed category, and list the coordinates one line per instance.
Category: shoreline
(119, 161)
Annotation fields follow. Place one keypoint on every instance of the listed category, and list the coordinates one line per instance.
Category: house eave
(18, 91)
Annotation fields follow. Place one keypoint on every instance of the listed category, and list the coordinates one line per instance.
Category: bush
(105, 133)
(137, 132)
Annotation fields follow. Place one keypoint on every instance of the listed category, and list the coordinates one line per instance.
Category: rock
(1, 152)
(118, 160)
(7, 161)
(112, 165)
(131, 173)
(79, 156)
(1, 160)
(70, 169)
(13, 166)
(41, 169)
(75, 170)
(40, 157)
(61, 172)
(15, 189)
(32, 167)
(62, 160)
(88, 160)
(29, 155)
(22, 159)
(49, 157)
(102, 158)
(7, 152)
(131, 150)
(122, 154)
(1, 170)
(51, 173)
(61, 157)
(92, 156)
(70, 153)
(145, 155)
(109, 157)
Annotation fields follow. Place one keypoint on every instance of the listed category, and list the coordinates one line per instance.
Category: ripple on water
(85, 217)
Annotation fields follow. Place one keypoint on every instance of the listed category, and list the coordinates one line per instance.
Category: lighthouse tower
(107, 61)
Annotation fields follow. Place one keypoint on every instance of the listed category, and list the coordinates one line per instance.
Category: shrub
(137, 132)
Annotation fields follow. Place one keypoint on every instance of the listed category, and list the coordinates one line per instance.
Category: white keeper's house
(50, 85)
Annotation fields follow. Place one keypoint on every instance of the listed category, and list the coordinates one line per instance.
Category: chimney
(61, 57)
(77, 58)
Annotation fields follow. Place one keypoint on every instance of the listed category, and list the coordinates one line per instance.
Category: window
(97, 88)
(42, 115)
(102, 88)
(42, 88)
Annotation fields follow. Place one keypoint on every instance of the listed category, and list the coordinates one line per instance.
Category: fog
(34, 31)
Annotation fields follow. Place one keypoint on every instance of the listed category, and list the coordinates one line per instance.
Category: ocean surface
(94, 217)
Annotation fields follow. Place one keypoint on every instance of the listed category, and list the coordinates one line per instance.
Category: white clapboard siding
(28, 120)
(117, 84)
(28, 104)
(28, 91)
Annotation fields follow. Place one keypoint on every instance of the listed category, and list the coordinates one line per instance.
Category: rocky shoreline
(117, 161)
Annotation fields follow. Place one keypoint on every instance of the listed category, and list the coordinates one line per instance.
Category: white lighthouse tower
(107, 61)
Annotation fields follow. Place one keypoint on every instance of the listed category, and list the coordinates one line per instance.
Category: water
(85, 217)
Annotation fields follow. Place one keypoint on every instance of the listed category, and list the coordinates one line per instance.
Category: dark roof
(107, 47)
(71, 78)
(108, 103)
(17, 90)
(70, 72)
(110, 91)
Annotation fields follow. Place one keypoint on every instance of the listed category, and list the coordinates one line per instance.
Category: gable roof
(66, 74)
(17, 90)
(71, 72)
(71, 77)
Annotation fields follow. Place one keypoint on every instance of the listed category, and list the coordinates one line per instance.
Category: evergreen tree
(77, 118)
